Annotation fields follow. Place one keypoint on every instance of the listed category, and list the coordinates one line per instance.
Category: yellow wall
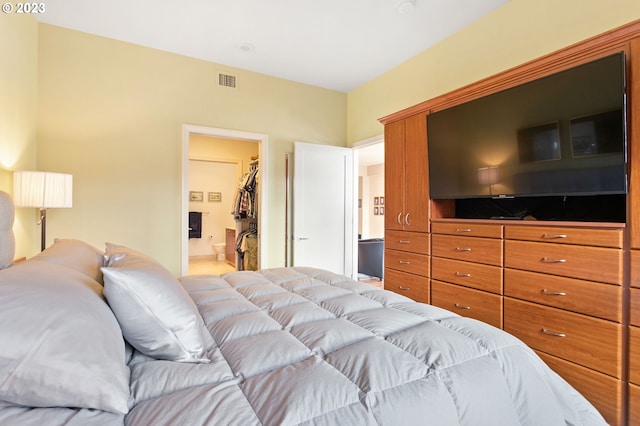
(515, 33)
(111, 114)
(18, 103)
(219, 149)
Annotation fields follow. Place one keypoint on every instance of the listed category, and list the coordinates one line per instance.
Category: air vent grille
(227, 80)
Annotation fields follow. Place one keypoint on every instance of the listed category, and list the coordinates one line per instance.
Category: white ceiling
(334, 44)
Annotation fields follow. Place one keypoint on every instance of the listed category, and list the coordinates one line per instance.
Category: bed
(109, 337)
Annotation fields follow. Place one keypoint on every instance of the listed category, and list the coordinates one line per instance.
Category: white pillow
(155, 312)
(60, 344)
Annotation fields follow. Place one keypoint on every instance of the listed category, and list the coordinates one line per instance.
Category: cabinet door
(416, 174)
(394, 175)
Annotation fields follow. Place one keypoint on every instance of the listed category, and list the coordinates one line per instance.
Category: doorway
(211, 196)
(370, 210)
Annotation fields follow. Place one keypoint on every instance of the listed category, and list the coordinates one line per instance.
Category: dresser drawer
(604, 392)
(468, 274)
(585, 297)
(635, 268)
(408, 262)
(468, 229)
(417, 242)
(634, 355)
(634, 404)
(589, 263)
(634, 307)
(413, 286)
(483, 306)
(470, 249)
(591, 342)
(565, 235)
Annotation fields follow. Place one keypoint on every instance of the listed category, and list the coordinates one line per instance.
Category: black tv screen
(563, 134)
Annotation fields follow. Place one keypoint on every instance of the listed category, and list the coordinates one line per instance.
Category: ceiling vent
(227, 80)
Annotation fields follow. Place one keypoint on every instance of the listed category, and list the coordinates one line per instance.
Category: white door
(323, 222)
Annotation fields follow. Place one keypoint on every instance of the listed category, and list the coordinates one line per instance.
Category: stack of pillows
(71, 308)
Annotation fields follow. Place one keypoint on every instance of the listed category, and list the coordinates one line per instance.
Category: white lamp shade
(42, 189)
(488, 175)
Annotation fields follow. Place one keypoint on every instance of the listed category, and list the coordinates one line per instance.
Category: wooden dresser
(466, 270)
(407, 244)
(634, 340)
(570, 290)
(563, 297)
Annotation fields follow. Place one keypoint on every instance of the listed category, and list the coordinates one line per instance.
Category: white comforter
(304, 346)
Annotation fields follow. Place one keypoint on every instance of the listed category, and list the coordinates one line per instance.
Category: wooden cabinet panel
(406, 176)
(589, 263)
(468, 274)
(635, 268)
(471, 249)
(604, 392)
(417, 242)
(566, 235)
(414, 263)
(468, 229)
(634, 307)
(416, 174)
(634, 355)
(585, 297)
(588, 341)
(413, 286)
(483, 306)
(634, 404)
(394, 174)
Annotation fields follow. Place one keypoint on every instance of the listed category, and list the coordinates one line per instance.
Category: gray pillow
(61, 346)
(155, 312)
(7, 238)
(75, 254)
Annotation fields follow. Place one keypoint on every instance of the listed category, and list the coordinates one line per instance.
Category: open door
(323, 222)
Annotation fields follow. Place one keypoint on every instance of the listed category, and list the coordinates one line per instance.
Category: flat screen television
(563, 135)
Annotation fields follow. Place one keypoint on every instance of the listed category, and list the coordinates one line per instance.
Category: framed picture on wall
(381, 211)
(381, 202)
(215, 197)
(375, 211)
(376, 201)
(195, 196)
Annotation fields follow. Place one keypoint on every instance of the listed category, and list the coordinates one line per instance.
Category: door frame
(374, 140)
(263, 193)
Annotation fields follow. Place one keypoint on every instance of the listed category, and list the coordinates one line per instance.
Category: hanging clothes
(245, 200)
(247, 249)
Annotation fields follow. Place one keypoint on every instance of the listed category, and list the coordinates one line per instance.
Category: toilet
(219, 250)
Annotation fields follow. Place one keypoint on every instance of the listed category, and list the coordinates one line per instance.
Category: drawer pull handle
(460, 274)
(404, 242)
(552, 293)
(463, 249)
(551, 333)
(550, 260)
(554, 236)
(403, 288)
(459, 306)
(463, 230)
(404, 262)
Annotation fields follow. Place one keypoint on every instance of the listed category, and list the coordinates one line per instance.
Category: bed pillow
(61, 345)
(7, 238)
(155, 312)
(75, 254)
